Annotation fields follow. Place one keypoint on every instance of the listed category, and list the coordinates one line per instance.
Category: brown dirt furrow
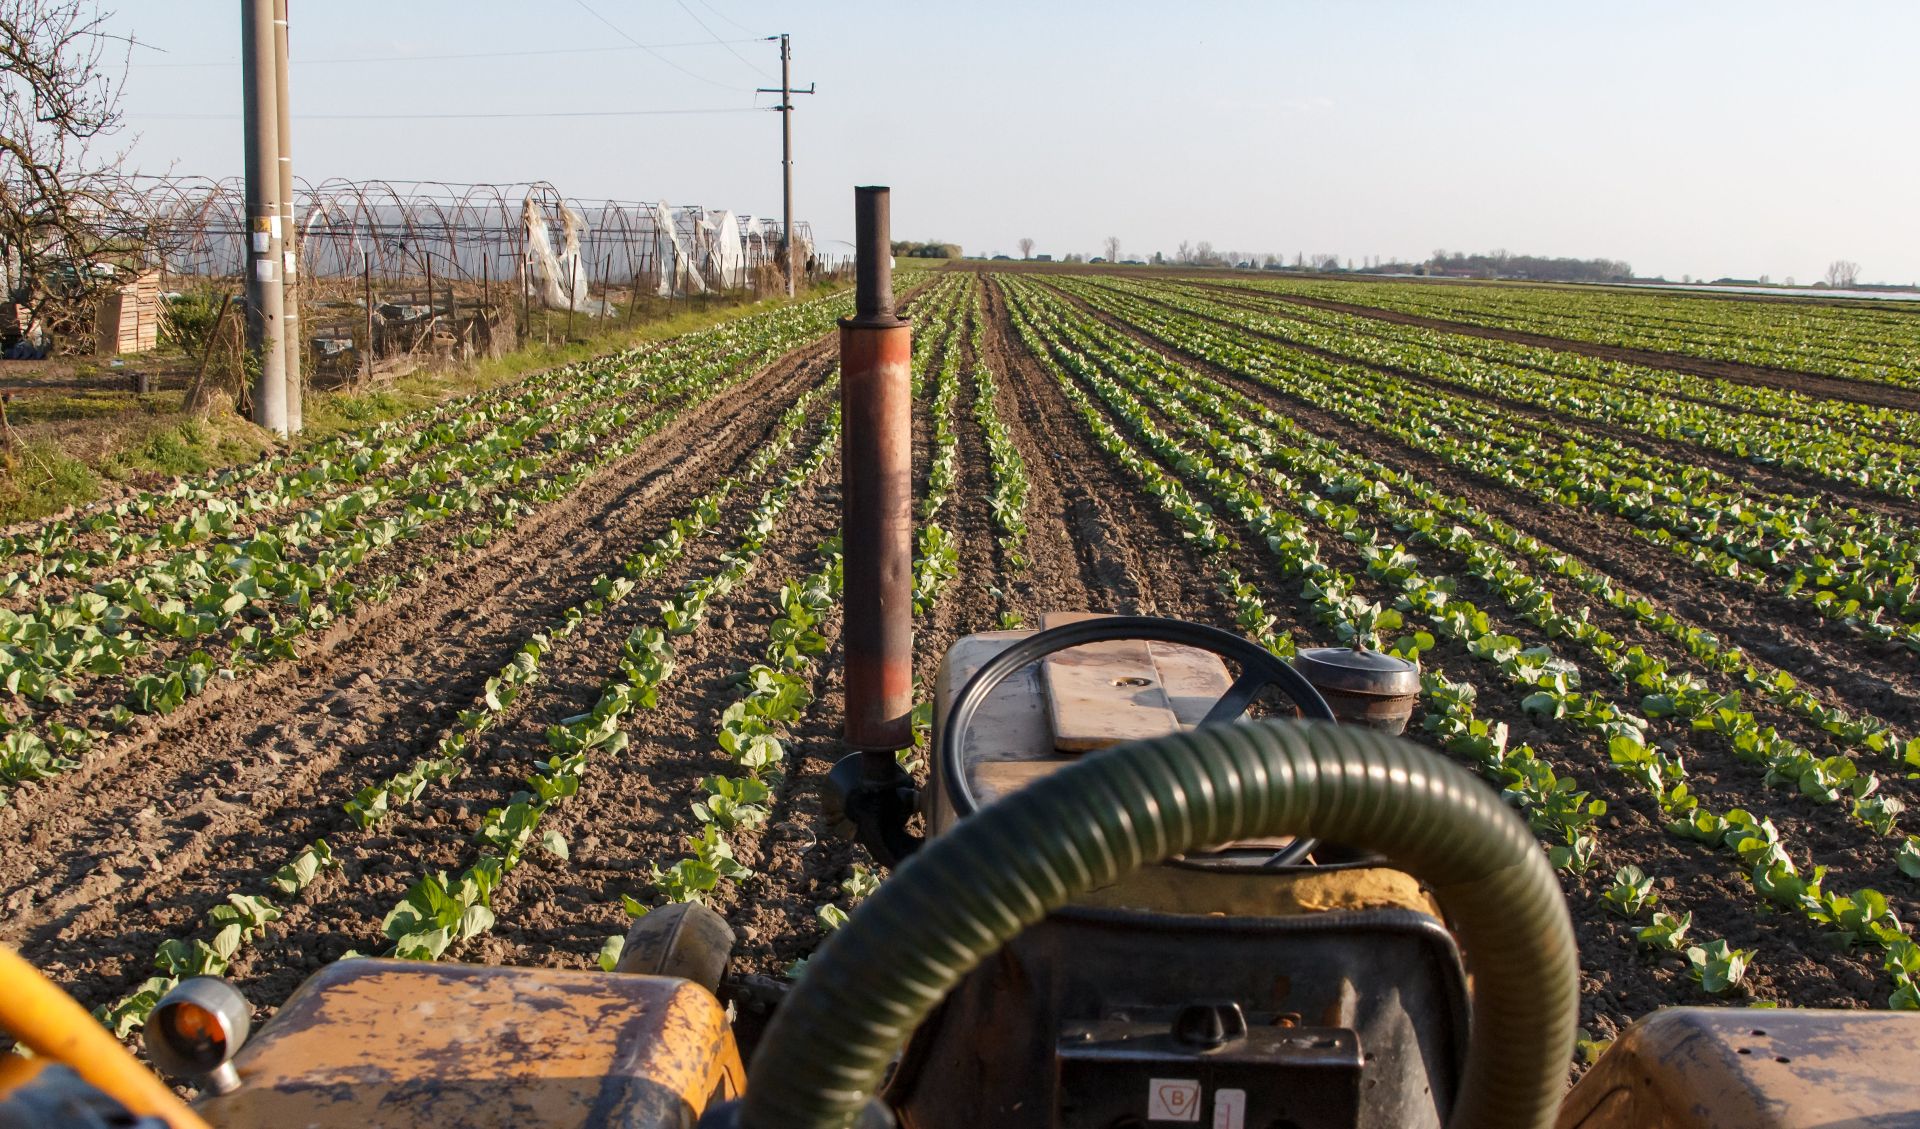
(213, 778)
(634, 811)
(1058, 575)
(1849, 669)
(1130, 555)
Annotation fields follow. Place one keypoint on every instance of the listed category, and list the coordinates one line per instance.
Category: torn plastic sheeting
(550, 269)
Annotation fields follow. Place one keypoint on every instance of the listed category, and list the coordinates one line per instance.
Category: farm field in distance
(480, 683)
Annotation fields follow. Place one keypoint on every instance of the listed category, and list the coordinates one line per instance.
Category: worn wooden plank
(1193, 679)
(1103, 693)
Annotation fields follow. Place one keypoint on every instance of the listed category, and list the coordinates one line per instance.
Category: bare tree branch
(65, 229)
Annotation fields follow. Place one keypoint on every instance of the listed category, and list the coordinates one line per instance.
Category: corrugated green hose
(969, 891)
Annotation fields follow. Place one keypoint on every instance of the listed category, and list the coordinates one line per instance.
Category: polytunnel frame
(401, 231)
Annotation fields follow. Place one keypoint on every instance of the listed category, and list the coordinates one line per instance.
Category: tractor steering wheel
(1259, 669)
(963, 896)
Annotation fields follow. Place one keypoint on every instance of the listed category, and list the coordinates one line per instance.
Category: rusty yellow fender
(401, 1043)
(1745, 1068)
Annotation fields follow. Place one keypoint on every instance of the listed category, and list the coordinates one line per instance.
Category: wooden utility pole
(289, 224)
(786, 93)
(266, 298)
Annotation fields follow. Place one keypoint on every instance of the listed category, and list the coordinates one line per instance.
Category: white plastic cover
(729, 255)
(676, 264)
(557, 274)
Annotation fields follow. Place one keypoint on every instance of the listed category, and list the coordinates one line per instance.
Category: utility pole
(786, 93)
(289, 225)
(266, 300)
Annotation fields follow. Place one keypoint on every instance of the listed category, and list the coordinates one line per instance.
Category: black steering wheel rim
(1259, 669)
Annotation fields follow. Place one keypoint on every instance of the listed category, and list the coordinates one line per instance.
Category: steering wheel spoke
(1234, 703)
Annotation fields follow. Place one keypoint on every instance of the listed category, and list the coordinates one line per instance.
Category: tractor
(1156, 877)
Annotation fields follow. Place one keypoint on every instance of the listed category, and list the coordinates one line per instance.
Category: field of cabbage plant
(486, 683)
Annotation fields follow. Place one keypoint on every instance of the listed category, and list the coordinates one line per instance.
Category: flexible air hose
(972, 889)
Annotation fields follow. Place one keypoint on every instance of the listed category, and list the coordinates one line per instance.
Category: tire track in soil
(1618, 985)
(353, 710)
(1844, 667)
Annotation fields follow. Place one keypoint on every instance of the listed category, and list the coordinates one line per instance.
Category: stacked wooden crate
(129, 318)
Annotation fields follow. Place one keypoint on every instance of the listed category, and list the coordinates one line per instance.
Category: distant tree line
(908, 249)
(1500, 264)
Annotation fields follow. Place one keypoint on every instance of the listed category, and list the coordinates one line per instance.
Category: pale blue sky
(1704, 138)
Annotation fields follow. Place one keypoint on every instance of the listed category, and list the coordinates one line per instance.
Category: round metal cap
(1358, 672)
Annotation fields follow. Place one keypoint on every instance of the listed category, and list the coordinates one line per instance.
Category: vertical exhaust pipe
(876, 495)
(874, 797)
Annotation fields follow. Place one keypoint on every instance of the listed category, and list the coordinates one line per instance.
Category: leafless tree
(1184, 253)
(1112, 246)
(1842, 274)
(1026, 247)
(64, 226)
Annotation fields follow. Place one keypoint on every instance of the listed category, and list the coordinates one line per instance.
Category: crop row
(260, 594)
(1878, 345)
(1853, 569)
(437, 912)
(241, 917)
(936, 556)
(751, 732)
(1823, 439)
(1860, 917)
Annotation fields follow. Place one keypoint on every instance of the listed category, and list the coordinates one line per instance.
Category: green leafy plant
(1717, 968)
(1631, 893)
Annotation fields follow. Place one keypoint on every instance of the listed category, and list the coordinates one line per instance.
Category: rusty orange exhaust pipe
(868, 794)
(876, 494)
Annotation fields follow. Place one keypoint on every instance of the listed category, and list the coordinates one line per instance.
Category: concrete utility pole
(266, 301)
(786, 93)
(289, 224)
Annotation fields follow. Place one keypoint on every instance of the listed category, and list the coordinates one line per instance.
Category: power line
(466, 55)
(446, 117)
(736, 23)
(756, 69)
(630, 39)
